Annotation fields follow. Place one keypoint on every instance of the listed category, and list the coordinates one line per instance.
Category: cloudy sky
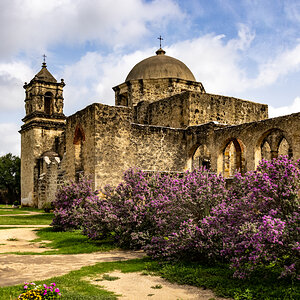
(248, 49)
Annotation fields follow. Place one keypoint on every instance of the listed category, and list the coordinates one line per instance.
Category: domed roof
(160, 66)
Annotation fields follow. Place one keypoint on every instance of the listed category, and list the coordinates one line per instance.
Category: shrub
(70, 203)
(143, 207)
(256, 226)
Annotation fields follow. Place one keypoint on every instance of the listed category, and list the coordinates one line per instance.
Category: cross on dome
(160, 39)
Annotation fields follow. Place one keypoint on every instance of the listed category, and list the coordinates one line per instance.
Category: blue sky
(246, 49)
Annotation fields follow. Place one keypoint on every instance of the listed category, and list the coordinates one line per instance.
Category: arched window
(48, 103)
(233, 158)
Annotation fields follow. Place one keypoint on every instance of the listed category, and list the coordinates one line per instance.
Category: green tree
(10, 177)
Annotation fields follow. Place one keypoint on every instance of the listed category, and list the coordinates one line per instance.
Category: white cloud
(10, 139)
(91, 78)
(285, 62)
(285, 110)
(34, 24)
(215, 62)
(12, 78)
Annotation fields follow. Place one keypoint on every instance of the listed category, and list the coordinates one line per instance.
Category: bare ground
(16, 269)
(136, 286)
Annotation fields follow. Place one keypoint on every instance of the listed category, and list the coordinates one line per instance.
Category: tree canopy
(10, 177)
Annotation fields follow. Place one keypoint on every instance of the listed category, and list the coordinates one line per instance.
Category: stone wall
(80, 144)
(169, 112)
(150, 90)
(191, 108)
(114, 152)
(35, 140)
(159, 148)
(222, 109)
(47, 178)
(114, 144)
(248, 138)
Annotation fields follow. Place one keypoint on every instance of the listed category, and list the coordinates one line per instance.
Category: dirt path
(135, 286)
(16, 269)
(19, 240)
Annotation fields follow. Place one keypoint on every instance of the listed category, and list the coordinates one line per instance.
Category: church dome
(160, 66)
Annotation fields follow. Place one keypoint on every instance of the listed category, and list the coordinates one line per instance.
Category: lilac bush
(70, 203)
(144, 206)
(256, 225)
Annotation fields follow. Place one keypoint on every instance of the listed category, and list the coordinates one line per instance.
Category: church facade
(163, 120)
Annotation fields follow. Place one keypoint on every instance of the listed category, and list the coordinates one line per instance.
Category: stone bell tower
(42, 131)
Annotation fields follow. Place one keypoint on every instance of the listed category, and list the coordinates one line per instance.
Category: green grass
(42, 219)
(70, 242)
(23, 209)
(12, 212)
(218, 278)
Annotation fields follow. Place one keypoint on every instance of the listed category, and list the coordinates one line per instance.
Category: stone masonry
(163, 120)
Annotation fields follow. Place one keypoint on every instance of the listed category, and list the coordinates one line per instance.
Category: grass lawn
(41, 219)
(70, 242)
(12, 211)
(264, 285)
(22, 209)
(218, 278)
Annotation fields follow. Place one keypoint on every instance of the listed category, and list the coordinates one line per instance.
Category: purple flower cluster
(254, 224)
(143, 207)
(70, 202)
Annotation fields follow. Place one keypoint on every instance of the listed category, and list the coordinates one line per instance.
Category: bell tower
(43, 128)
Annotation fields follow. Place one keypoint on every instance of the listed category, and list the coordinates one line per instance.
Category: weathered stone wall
(159, 148)
(191, 108)
(248, 137)
(114, 152)
(47, 180)
(169, 112)
(228, 110)
(80, 143)
(35, 140)
(132, 92)
(114, 144)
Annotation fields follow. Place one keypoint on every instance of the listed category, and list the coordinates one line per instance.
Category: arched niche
(78, 141)
(284, 148)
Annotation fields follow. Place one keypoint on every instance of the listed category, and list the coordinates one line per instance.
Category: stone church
(163, 120)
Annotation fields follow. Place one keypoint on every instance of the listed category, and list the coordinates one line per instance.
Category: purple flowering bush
(257, 225)
(254, 225)
(70, 203)
(144, 206)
